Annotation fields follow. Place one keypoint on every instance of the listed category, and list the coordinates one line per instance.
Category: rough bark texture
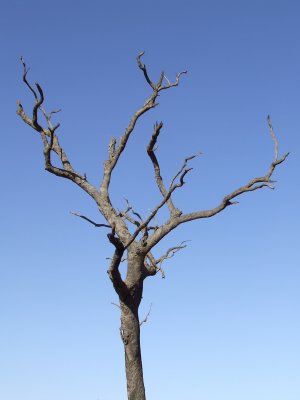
(130, 333)
(130, 325)
(137, 246)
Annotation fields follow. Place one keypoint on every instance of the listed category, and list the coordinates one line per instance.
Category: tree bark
(130, 332)
(130, 327)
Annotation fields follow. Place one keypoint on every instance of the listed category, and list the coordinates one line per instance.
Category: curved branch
(129, 217)
(50, 140)
(171, 252)
(144, 69)
(254, 184)
(172, 84)
(115, 152)
(90, 221)
(182, 173)
(113, 271)
(155, 265)
(156, 167)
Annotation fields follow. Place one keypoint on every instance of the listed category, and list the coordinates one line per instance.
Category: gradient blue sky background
(225, 322)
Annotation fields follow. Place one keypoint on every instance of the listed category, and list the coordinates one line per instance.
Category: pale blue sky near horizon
(224, 324)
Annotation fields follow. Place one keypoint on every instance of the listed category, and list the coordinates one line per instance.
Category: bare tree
(136, 246)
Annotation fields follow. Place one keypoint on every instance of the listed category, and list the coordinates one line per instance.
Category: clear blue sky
(225, 322)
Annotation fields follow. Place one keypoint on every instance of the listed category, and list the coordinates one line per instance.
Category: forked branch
(116, 149)
(171, 252)
(155, 265)
(254, 184)
(49, 138)
(173, 186)
(176, 83)
(144, 69)
(159, 180)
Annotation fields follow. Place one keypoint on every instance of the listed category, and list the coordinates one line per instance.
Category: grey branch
(176, 83)
(48, 118)
(50, 140)
(90, 221)
(129, 217)
(182, 172)
(273, 137)
(112, 148)
(156, 167)
(113, 270)
(144, 69)
(129, 208)
(120, 236)
(115, 304)
(116, 148)
(172, 187)
(148, 105)
(25, 72)
(170, 253)
(155, 265)
(254, 184)
(145, 223)
(147, 316)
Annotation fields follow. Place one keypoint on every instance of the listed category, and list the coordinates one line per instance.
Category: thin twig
(171, 252)
(89, 220)
(115, 304)
(273, 137)
(147, 316)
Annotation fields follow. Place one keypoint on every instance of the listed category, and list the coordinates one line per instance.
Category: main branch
(254, 184)
(115, 150)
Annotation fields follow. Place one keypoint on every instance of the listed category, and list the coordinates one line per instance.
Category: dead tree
(136, 246)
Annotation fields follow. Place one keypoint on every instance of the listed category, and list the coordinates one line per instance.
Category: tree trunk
(130, 326)
(130, 332)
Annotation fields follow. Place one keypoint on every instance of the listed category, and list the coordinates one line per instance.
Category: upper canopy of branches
(146, 235)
